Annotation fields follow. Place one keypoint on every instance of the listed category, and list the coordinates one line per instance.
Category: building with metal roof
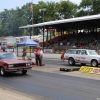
(78, 23)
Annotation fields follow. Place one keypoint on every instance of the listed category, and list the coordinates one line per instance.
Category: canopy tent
(28, 42)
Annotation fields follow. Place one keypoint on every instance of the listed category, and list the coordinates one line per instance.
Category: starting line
(83, 69)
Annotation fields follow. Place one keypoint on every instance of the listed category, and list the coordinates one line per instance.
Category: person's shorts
(24, 58)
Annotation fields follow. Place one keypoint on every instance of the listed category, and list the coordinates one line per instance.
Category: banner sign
(91, 70)
(59, 51)
(48, 50)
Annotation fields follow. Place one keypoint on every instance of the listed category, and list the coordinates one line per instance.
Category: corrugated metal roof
(92, 17)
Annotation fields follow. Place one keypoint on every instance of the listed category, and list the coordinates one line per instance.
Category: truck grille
(20, 65)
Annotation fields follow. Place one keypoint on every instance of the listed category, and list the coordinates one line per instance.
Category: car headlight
(10, 65)
(28, 64)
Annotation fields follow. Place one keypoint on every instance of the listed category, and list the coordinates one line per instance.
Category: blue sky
(8, 4)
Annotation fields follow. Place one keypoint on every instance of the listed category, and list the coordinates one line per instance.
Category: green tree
(0, 28)
(67, 9)
(89, 7)
(12, 19)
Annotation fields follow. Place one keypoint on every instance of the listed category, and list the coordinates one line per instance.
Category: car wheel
(24, 72)
(2, 71)
(71, 61)
(94, 63)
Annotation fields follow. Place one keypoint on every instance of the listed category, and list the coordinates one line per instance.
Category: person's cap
(38, 46)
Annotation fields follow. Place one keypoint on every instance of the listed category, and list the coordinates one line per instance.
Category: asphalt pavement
(12, 94)
(53, 69)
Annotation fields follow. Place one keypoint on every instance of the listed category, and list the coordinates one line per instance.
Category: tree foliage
(89, 7)
(11, 20)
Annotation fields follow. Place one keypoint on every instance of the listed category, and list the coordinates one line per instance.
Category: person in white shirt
(41, 52)
(0, 48)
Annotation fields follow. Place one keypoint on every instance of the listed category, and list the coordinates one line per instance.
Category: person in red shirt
(37, 53)
(62, 55)
(83, 46)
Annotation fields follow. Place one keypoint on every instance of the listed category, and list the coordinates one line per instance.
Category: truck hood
(14, 61)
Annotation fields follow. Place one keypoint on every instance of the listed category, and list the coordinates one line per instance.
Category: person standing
(24, 53)
(37, 53)
(4, 48)
(62, 55)
(0, 48)
(41, 55)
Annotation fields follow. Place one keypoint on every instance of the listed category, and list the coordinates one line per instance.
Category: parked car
(9, 46)
(9, 62)
(83, 56)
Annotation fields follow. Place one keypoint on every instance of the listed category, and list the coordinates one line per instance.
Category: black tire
(2, 71)
(24, 72)
(83, 64)
(71, 61)
(94, 63)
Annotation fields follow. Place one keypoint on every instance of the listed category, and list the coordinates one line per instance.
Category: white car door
(84, 58)
(77, 56)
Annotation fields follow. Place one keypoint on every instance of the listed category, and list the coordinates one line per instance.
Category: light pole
(44, 9)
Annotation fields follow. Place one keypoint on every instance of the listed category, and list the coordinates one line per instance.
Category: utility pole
(31, 33)
(31, 10)
(44, 9)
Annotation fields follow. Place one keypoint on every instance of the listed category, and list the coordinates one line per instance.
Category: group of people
(38, 55)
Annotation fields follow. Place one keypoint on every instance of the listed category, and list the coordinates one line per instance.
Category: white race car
(83, 56)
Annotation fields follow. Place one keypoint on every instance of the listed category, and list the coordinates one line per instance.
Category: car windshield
(8, 56)
(71, 52)
(93, 52)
